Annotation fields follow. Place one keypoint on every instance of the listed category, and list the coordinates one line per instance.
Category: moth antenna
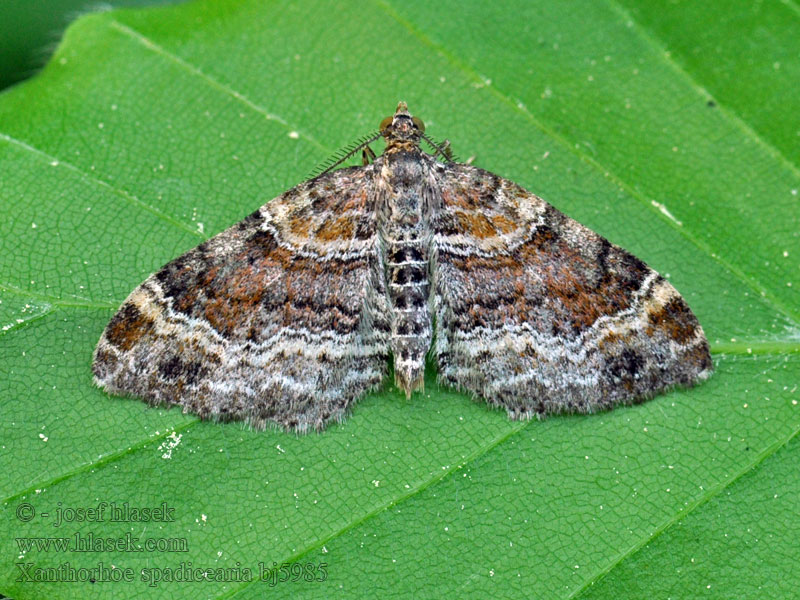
(345, 153)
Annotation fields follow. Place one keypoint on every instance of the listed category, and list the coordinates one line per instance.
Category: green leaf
(152, 130)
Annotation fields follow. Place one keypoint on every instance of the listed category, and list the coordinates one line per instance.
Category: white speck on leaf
(169, 444)
(666, 212)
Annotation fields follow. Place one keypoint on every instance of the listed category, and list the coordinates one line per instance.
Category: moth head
(402, 126)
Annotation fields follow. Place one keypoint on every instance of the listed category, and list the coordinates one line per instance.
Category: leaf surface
(151, 130)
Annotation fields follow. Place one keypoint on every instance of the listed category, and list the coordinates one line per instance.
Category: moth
(291, 315)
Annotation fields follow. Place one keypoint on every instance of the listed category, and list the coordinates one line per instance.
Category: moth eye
(386, 123)
(418, 124)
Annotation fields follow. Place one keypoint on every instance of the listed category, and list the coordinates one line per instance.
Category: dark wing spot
(175, 369)
(626, 365)
(250, 221)
(262, 243)
(445, 224)
(365, 228)
(676, 320)
(171, 369)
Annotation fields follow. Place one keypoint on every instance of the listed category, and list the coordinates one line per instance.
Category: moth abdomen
(409, 289)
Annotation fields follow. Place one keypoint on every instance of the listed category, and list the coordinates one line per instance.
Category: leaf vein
(96, 464)
(54, 300)
(394, 502)
(660, 49)
(668, 523)
(212, 82)
(57, 162)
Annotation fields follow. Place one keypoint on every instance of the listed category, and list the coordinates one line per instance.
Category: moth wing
(279, 318)
(538, 314)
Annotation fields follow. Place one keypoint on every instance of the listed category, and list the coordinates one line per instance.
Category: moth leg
(442, 149)
(367, 156)
(445, 150)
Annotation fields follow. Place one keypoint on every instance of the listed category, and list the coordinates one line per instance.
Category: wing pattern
(289, 316)
(280, 318)
(539, 314)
